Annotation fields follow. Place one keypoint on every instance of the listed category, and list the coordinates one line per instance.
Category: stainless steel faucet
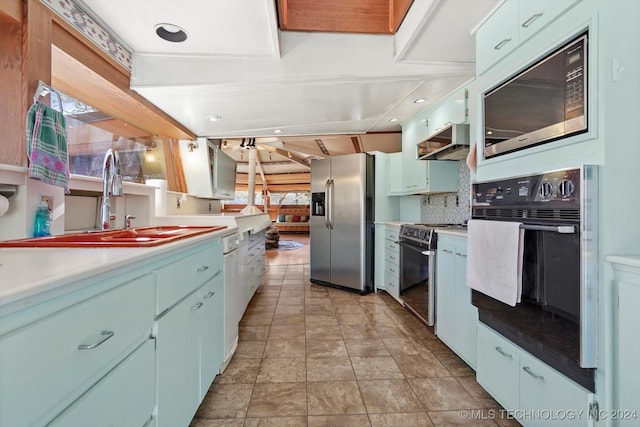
(111, 186)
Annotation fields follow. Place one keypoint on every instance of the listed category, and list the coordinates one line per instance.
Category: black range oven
(556, 318)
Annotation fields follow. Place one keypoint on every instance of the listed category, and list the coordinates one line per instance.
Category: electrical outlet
(457, 200)
(48, 200)
(445, 202)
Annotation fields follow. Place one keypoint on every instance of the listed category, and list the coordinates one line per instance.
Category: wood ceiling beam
(280, 178)
(356, 144)
(280, 188)
(293, 157)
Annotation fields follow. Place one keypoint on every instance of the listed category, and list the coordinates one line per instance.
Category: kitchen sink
(133, 237)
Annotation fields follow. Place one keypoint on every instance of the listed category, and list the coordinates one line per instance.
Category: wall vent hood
(451, 143)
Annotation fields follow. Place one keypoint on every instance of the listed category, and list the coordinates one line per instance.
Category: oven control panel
(552, 188)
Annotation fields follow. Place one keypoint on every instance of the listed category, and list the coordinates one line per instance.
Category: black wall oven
(556, 319)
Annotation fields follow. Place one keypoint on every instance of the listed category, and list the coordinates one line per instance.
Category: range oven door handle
(416, 249)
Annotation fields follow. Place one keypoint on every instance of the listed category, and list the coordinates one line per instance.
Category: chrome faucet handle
(127, 220)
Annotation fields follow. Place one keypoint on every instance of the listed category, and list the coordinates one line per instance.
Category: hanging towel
(494, 259)
(47, 145)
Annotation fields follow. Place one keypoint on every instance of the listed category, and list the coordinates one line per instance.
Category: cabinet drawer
(179, 278)
(391, 233)
(254, 239)
(543, 388)
(130, 388)
(498, 367)
(392, 259)
(392, 270)
(390, 282)
(390, 246)
(42, 364)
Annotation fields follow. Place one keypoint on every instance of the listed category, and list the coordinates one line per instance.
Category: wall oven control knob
(546, 190)
(566, 188)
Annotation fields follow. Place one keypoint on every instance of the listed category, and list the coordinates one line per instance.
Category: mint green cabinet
(511, 25)
(50, 361)
(392, 262)
(125, 397)
(395, 174)
(456, 318)
(626, 351)
(498, 367)
(538, 394)
(178, 361)
(211, 327)
(189, 332)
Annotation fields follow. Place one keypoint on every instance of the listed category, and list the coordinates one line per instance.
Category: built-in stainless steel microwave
(545, 102)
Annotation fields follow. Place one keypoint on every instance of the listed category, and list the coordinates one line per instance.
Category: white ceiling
(238, 65)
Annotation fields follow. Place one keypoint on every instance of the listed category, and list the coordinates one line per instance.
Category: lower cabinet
(536, 394)
(626, 348)
(190, 337)
(49, 362)
(456, 318)
(252, 259)
(125, 397)
(392, 261)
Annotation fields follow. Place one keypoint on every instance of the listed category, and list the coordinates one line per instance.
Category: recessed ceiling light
(214, 118)
(393, 120)
(419, 100)
(277, 131)
(171, 33)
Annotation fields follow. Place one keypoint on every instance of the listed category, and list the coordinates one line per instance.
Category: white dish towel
(494, 259)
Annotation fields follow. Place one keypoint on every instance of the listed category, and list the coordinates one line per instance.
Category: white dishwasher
(233, 296)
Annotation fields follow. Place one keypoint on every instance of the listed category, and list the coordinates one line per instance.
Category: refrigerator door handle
(330, 204)
(327, 208)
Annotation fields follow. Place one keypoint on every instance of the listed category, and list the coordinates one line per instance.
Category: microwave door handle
(562, 229)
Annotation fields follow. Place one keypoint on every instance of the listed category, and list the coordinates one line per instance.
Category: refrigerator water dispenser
(317, 204)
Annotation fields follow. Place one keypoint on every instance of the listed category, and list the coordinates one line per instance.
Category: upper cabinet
(209, 172)
(512, 24)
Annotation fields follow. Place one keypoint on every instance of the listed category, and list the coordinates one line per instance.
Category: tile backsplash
(442, 208)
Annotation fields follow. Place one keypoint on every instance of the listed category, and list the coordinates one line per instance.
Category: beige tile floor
(312, 356)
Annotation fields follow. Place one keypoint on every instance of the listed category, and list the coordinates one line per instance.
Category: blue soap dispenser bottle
(42, 221)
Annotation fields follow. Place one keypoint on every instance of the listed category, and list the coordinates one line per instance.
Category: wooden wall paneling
(175, 172)
(12, 151)
(86, 75)
(397, 11)
(11, 11)
(349, 16)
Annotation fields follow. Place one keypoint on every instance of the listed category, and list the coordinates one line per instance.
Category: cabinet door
(379, 255)
(627, 351)
(395, 174)
(211, 331)
(466, 313)
(544, 389)
(535, 15)
(441, 176)
(128, 392)
(498, 36)
(446, 322)
(178, 361)
(498, 367)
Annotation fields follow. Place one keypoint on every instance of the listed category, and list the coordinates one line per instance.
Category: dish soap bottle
(41, 223)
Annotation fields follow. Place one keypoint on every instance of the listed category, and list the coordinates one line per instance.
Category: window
(90, 133)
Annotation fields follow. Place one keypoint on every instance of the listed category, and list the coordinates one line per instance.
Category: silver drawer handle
(502, 352)
(104, 335)
(529, 21)
(447, 251)
(197, 306)
(533, 374)
(203, 268)
(208, 295)
(501, 44)
(459, 254)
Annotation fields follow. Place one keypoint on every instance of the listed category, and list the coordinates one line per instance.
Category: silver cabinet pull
(203, 268)
(503, 353)
(208, 295)
(447, 251)
(533, 374)
(462, 255)
(104, 335)
(501, 44)
(196, 306)
(532, 18)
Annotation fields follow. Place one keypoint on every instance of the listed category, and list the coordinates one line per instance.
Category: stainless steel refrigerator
(341, 222)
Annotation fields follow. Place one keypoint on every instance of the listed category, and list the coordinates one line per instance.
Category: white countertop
(394, 223)
(251, 223)
(629, 260)
(28, 275)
